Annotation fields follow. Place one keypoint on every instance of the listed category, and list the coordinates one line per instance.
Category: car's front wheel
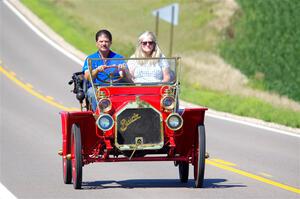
(67, 170)
(76, 156)
(199, 160)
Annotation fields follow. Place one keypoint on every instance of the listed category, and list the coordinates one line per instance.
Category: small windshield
(135, 71)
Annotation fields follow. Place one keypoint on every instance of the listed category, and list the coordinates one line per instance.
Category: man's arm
(94, 72)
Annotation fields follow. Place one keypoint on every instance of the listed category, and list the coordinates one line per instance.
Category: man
(99, 64)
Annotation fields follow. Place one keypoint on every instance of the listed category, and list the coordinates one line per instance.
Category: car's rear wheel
(67, 170)
(183, 168)
(199, 160)
(76, 156)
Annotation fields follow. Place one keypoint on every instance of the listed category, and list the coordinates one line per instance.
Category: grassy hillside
(78, 20)
(264, 43)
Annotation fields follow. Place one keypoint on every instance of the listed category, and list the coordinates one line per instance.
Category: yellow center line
(28, 88)
(266, 175)
(12, 73)
(256, 177)
(50, 97)
(223, 162)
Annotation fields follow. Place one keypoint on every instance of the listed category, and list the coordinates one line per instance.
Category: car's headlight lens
(105, 122)
(104, 105)
(174, 121)
(168, 102)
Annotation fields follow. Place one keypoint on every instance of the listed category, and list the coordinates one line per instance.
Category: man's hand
(94, 72)
(100, 68)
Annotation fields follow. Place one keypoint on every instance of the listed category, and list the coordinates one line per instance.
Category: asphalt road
(245, 162)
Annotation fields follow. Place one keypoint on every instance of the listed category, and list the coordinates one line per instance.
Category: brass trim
(139, 104)
(100, 94)
(168, 123)
(107, 109)
(113, 122)
(175, 60)
(69, 156)
(206, 155)
(96, 116)
(169, 108)
(139, 140)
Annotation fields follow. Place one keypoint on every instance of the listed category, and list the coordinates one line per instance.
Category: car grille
(140, 127)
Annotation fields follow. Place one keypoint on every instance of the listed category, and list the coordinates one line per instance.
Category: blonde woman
(151, 70)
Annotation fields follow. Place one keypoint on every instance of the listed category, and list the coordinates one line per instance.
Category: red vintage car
(139, 121)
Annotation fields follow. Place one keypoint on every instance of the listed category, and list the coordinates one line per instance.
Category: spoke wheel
(76, 156)
(183, 168)
(199, 160)
(67, 170)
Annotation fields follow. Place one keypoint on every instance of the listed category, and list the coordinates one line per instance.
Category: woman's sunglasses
(144, 43)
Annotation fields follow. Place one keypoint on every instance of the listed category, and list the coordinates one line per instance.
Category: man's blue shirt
(100, 61)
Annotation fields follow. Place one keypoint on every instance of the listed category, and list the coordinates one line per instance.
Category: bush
(264, 43)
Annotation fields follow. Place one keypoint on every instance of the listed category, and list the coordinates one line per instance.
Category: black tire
(76, 156)
(67, 170)
(183, 168)
(199, 164)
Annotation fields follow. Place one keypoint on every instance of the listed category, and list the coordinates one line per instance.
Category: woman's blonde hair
(156, 53)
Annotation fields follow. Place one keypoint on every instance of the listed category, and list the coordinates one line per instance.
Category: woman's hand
(121, 66)
(124, 73)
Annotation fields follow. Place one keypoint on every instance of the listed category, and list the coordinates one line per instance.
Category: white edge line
(5, 193)
(42, 35)
(77, 60)
(253, 125)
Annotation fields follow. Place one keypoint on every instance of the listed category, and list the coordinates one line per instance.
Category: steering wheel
(111, 76)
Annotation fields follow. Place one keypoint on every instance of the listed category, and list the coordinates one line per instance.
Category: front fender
(86, 122)
(186, 136)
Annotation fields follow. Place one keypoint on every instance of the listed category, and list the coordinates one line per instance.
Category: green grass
(244, 106)
(77, 21)
(63, 23)
(264, 43)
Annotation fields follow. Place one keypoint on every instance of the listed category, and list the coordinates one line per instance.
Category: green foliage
(244, 106)
(264, 43)
(63, 23)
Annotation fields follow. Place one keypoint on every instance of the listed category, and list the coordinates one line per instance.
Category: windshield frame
(176, 71)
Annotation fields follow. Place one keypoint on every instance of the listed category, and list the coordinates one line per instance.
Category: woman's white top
(147, 72)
